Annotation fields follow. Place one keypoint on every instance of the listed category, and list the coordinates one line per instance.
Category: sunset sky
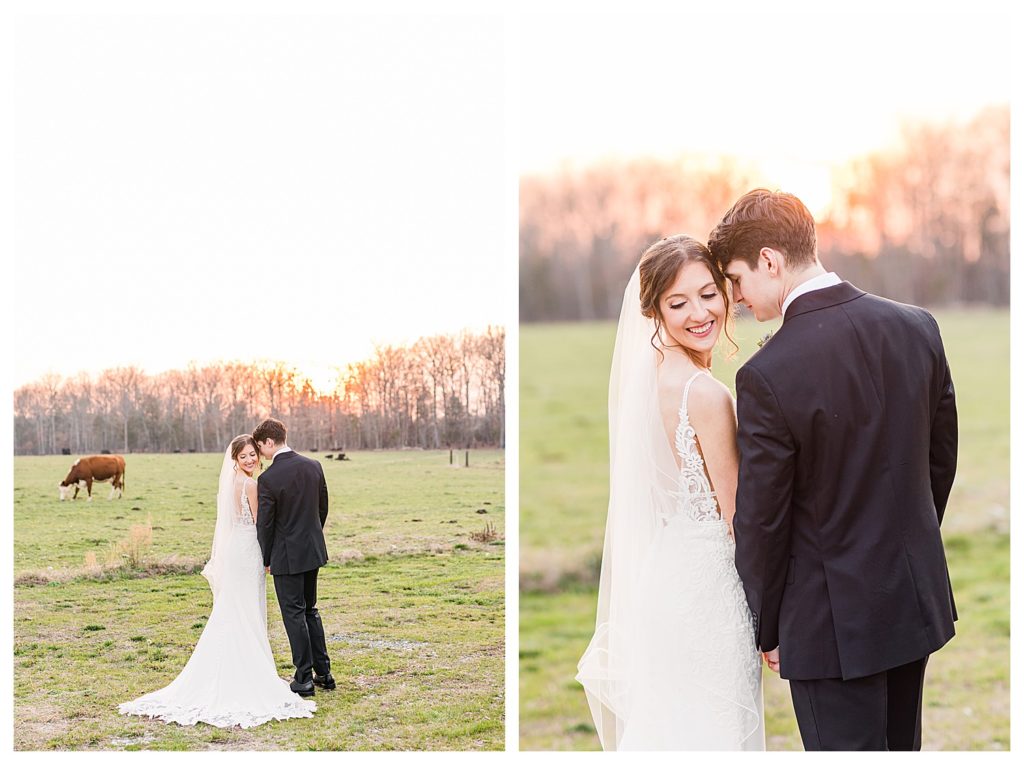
(242, 186)
(793, 92)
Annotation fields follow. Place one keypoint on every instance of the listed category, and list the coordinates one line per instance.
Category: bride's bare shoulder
(705, 390)
(710, 404)
(710, 390)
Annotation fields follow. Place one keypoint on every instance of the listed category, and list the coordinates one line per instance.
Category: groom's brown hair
(270, 428)
(763, 218)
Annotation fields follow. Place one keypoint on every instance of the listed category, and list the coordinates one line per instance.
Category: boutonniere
(765, 339)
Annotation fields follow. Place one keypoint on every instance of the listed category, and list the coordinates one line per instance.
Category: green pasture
(563, 502)
(413, 606)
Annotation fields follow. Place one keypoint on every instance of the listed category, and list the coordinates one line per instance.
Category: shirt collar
(281, 451)
(819, 282)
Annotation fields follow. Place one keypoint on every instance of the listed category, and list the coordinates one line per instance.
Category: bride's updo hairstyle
(659, 266)
(240, 442)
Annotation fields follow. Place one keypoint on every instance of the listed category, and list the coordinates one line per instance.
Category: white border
(511, 295)
(1016, 412)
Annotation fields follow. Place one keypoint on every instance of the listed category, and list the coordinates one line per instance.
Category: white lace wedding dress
(679, 669)
(698, 671)
(231, 678)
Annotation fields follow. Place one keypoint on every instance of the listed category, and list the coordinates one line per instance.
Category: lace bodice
(244, 516)
(696, 500)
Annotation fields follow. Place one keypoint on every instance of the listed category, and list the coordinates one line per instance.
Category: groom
(289, 525)
(848, 442)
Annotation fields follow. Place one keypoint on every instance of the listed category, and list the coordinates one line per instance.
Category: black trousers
(875, 713)
(296, 594)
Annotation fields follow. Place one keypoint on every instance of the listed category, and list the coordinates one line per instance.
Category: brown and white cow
(99, 467)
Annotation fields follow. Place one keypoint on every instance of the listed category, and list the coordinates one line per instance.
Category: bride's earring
(235, 467)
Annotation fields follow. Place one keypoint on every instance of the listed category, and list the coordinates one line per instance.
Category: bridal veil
(214, 569)
(643, 476)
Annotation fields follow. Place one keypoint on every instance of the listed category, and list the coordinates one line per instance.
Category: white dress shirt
(282, 450)
(817, 283)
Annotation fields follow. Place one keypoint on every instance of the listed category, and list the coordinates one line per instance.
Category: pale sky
(793, 92)
(179, 176)
(241, 186)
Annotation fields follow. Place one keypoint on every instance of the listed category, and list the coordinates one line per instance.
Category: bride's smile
(703, 329)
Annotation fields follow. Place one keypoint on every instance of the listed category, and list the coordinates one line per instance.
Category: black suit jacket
(848, 439)
(292, 511)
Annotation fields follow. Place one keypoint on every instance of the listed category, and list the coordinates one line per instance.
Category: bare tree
(440, 389)
(923, 221)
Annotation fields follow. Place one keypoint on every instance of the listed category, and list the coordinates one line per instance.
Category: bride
(231, 678)
(672, 663)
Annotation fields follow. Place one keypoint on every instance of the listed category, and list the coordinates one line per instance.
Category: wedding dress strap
(683, 414)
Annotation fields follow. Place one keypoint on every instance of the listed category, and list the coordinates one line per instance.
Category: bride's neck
(701, 361)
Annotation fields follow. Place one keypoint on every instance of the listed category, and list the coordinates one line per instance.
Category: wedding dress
(231, 678)
(673, 663)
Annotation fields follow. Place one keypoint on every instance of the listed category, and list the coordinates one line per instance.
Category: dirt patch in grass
(39, 722)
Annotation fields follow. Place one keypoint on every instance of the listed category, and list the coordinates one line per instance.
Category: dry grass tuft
(489, 533)
(131, 553)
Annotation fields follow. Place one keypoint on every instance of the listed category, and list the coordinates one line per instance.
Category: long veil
(643, 482)
(213, 571)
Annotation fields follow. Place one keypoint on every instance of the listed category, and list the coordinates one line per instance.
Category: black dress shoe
(326, 681)
(303, 689)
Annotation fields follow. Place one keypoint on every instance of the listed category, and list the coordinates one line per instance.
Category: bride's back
(244, 513)
(691, 403)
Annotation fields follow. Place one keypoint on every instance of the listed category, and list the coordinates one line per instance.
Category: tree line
(443, 391)
(926, 221)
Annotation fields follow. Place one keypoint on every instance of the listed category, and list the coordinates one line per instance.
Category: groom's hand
(267, 569)
(772, 659)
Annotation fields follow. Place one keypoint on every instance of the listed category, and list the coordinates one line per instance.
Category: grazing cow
(85, 470)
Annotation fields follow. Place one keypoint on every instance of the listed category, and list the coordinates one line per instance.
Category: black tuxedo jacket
(848, 439)
(292, 511)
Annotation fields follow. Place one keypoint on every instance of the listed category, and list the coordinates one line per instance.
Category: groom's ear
(772, 260)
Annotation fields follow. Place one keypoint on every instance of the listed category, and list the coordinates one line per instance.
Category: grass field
(563, 502)
(413, 607)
